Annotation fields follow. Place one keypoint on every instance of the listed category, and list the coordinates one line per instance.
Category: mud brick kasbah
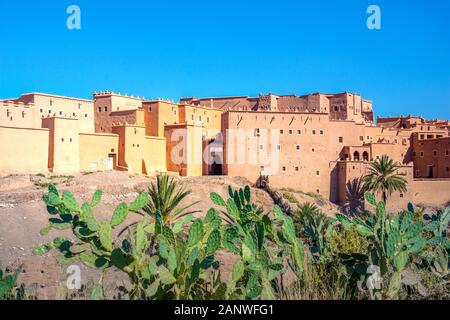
(325, 141)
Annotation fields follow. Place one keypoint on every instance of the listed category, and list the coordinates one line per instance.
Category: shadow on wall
(334, 184)
(355, 198)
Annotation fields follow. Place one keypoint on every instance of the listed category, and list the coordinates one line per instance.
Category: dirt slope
(23, 214)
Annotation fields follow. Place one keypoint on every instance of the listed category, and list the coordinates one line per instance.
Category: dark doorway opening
(365, 156)
(430, 171)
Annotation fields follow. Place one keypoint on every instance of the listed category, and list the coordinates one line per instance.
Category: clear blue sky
(173, 49)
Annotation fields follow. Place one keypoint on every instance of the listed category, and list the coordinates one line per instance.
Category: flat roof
(54, 96)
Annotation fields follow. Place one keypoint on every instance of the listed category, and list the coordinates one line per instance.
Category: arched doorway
(365, 156)
(356, 156)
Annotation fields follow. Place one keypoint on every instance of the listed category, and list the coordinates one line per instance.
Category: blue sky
(174, 49)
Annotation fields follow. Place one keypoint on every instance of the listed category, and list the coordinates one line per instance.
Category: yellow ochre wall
(209, 118)
(58, 106)
(184, 141)
(131, 147)
(157, 114)
(25, 151)
(18, 115)
(155, 154)
(64, 150)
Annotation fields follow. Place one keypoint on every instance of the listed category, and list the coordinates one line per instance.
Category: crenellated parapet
(100, 94)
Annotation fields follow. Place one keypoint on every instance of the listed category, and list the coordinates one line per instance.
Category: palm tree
(383, 177)
(165, 198)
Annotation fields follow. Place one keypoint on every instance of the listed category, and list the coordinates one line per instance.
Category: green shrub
(9, 290)
(263, 245)
(173, 255)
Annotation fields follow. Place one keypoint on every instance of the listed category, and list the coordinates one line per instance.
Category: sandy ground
(23, 215)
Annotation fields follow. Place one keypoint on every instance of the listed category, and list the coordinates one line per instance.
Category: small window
(62, 139)
(297, 147)
(284, 168)
(313, 150)
(447, 152)
(447, 169)
(279, 147)
(49, 111)
(318, 191)
(314, 132)
(112, 150)
(335, 108)
(70, 139)
(421, 154)
(41, 110)
(401, 195)
(317, 173)
(85, 115)
(299, 131)
(74, 114)
(417, 173)
(99, 109)
(296, 168)
(435, 153)
(207, 120)
(200, 118)
(290, 131)
(79, 106)
(106, 109)
(60, 113)
(192, 117)
(261, 147)
(341, 140)
(175, 112)
(414, 154)
(281, 131)
(361, 138)
(321, 132)
(149, 109)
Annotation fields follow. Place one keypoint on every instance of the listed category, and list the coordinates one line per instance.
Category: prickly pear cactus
(262, 246)
(95, 246)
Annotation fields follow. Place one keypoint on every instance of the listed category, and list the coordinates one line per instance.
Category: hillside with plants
(169, 252)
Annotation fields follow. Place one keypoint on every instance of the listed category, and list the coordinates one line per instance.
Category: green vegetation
(86, 173)
(63, 178)
(169, 254)
(41, 185)
(9, 290)
(166, 199)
